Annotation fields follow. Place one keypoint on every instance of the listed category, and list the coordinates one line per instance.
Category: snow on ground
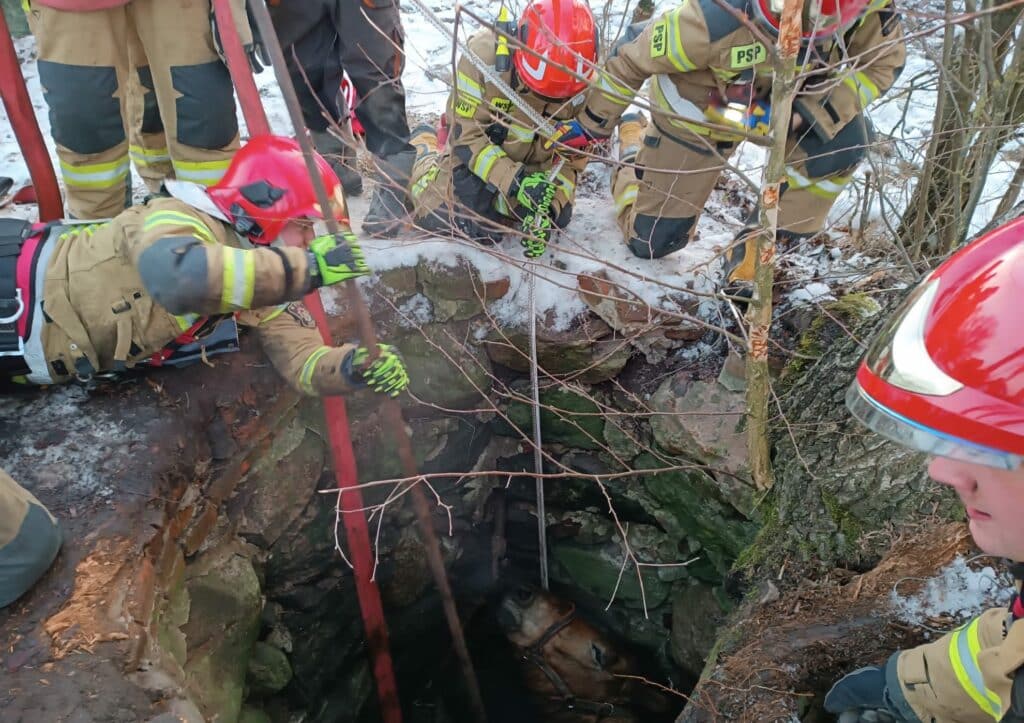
(958, 591)
(593, 241)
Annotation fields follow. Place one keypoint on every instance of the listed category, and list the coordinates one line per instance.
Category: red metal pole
(26, 129)
(238, 65)
(350, 499)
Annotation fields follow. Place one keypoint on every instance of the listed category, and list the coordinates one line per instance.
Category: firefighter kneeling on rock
(166, 282)
(708, 62)
(946, 377)
(495, 172)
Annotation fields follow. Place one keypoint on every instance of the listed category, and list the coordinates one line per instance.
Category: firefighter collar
(195, 196)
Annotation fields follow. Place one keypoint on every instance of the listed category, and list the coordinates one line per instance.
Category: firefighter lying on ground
(493, 174)
(83, 301)
(706, 61)
(161, 283)
(958, 395)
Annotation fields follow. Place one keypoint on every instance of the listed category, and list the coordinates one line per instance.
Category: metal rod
(390, 408)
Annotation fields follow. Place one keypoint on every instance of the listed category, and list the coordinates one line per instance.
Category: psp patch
(744, 56)
(659, 39)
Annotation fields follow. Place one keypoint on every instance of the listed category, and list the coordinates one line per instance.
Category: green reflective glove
(534, 192)
(335, 262)
(537, 228)
(385, 374)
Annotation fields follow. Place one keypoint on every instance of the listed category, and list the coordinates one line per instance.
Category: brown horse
(570, 666)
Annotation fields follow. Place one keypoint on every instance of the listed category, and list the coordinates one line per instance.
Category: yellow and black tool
(506, 27)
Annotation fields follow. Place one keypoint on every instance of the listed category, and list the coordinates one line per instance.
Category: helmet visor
(915, 435)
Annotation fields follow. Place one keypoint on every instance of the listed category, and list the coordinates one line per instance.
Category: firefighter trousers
(144, 71)
(363, 37)
(660, 194)
(29, 539)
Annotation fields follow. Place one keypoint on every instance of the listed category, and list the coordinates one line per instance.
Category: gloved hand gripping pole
(390, 407)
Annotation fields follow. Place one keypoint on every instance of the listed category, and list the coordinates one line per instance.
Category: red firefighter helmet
(563, 33)
(946, 375)
(821, 18)
(267, 185)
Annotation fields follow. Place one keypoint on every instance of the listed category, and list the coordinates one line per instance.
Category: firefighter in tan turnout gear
(494, 172)
(958, 395)
(707, 63)
(164, 284)
(139, 80)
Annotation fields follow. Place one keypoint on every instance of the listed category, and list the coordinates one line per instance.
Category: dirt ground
(787, 651)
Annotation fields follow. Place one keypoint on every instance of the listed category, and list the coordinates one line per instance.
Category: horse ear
(602, 658)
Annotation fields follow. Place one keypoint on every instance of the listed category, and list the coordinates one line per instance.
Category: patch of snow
(813, 293)
(416, 311)
(958, 591)
(65, 444)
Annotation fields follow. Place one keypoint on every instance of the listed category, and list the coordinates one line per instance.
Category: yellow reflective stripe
(964, 647)
(204, 172)
(626, 198)
(239, 279)
(95, 175)
(618, 94)
(485, 160)
(273, 314)
(501, 205)
(566, 185)
(306, 375)
(185, 321)
(521, 133)
(469, 87)
(675, 42)
(822, 187)
(177, 218)
(863, 86)
(147, 156)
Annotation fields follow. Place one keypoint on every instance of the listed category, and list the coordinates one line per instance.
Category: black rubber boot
(342, 158)
(389, 206)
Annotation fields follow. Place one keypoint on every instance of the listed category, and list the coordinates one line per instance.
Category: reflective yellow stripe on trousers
(964, 647)
(204, 172)
(95, 175)
(148, 156)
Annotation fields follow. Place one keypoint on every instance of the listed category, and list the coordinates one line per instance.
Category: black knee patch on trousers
(85, 117)
(206, 108)
(151, 121)
(657, 236)
(842, 153)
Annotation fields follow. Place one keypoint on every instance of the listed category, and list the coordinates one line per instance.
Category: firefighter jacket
(973, 674)
(492, 138)
(118, 293)
(699, 51)
(78, 5)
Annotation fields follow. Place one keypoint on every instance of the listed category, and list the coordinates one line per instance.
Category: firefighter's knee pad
(205, 108)
(657, 236)
(840, 154)
(85, 115)
(173, 270)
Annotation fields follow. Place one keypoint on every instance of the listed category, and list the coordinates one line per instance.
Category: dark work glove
(252, 43)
